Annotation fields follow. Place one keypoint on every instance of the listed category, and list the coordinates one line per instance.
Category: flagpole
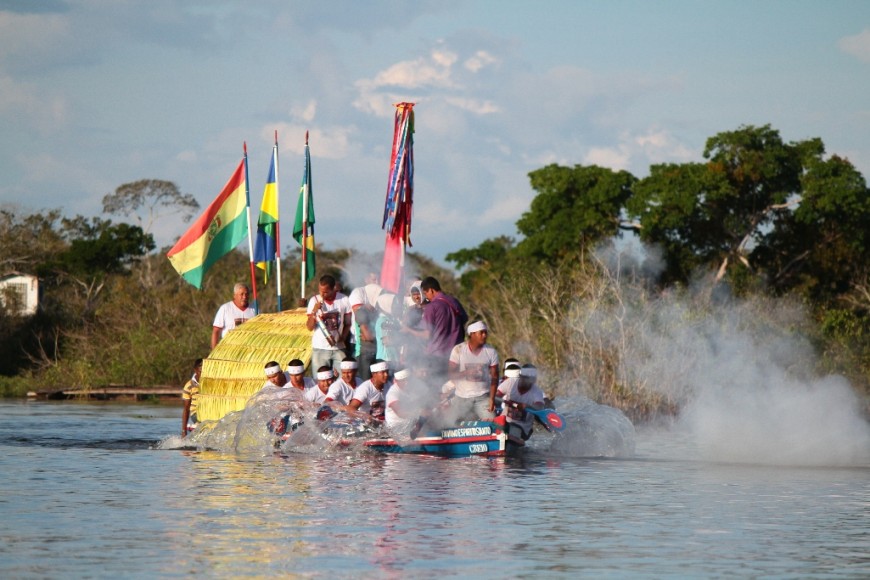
(278, 223)
(250, 237)
(304, 269)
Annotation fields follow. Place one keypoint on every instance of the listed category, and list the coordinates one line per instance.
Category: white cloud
(479, 107)
(857, 45)
(328, 142)
(480, 60)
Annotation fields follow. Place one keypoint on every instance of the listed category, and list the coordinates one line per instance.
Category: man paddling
(519, 395)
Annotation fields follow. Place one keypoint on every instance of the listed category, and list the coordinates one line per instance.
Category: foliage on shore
(765, 240)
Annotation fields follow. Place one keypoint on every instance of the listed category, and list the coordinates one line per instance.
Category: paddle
(550, 419)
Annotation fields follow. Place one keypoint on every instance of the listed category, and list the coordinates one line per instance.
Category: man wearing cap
(473, 368)
(520, 394)
(329, 317)
(231, 314)
(296, 373)
(369, 397)
(275, 377)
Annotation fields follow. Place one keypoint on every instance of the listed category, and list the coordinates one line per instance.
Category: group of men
(402, 399)
(372, 342)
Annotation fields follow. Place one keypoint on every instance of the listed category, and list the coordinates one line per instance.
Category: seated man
(338, 393)
(401, 414)
(298, 380)
(349, 368)
(369, 397)
(325, 379)
(518, 395)
(275, 377)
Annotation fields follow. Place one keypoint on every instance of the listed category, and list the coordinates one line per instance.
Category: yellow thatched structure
(233, 371)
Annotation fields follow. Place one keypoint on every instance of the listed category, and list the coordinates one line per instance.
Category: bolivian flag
(220, 229)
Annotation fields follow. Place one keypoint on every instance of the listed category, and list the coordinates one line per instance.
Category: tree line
(759, 218)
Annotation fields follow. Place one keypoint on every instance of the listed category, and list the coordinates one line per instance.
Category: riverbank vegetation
(767, 237)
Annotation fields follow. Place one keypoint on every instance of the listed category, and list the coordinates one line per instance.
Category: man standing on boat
(329, 317)
(231, 314)
(444, 321)
(363, 302)
(473, 368)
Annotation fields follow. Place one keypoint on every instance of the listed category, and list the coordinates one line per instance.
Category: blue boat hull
(472, 438)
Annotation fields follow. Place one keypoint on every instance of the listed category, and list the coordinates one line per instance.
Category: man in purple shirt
(444, 321)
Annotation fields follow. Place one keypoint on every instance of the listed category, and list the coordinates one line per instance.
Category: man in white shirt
(519, 395)
(329, 318)
(298, 380)
(473, 368)
(232, 314)
(369, 397)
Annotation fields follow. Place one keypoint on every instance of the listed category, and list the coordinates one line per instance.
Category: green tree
(574, 209)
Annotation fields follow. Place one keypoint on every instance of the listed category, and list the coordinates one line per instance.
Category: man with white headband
(473, 368)
(518, 395)
(369, 397)
(325, 378)
(275, 377)
(296, 374)
(349, 370)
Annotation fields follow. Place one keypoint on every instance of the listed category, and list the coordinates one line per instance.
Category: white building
(19, 294)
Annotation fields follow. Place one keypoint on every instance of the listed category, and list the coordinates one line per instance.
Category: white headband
(476, 327)
(512, 373)
(528, 372)
(272, 370)
(296, 369)
(378, 367)
(324, 375)
(403, 374)
(349, 365)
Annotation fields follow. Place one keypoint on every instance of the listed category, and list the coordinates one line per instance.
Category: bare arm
(215, 336)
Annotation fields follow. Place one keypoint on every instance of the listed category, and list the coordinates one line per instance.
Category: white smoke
(743, 375)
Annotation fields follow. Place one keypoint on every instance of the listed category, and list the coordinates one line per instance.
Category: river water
(98, 491)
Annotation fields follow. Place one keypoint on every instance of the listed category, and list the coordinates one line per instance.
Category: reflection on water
(80, 510)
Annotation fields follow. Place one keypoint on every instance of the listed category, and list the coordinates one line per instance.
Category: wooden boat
(466, 439)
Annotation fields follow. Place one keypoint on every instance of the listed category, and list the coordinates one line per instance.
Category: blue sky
(98, 93)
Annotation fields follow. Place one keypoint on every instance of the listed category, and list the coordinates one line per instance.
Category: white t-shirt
(371, 399)
(398, 426)
(230, 316)
(480, 363)
(314, 395)
(340, 392)
(512, 392)
(333, 318)
(307, 383)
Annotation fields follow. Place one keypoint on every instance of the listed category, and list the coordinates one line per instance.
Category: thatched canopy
(233, 371)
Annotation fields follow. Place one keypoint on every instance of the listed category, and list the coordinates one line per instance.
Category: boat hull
(462, 441)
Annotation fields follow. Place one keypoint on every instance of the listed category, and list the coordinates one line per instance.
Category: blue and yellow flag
(266, 247)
